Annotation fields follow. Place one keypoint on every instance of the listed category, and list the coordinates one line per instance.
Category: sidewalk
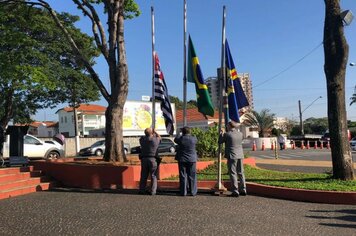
(284, 162)
(92, 213)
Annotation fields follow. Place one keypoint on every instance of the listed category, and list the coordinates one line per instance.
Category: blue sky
(265, 38)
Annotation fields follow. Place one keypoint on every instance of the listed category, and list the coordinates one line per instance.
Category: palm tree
(353, 98)
(263, 121)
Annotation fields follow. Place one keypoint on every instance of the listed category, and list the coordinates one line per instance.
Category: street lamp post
(301, 113)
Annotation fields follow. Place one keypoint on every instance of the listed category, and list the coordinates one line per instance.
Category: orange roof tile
(36, 124)
(86, 108)
(194, 115)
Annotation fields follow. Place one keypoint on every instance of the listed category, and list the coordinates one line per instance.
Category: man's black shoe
(235, 195)
(243, 193)
(144, 192)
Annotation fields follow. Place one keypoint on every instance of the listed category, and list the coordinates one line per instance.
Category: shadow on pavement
(163, 192)
(348, 215)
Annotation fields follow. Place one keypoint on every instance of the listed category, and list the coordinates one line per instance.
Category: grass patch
(309, 181)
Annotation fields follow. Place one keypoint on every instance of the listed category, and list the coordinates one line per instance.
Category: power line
(289, 67)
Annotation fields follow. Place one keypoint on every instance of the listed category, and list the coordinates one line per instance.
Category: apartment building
(246, 84)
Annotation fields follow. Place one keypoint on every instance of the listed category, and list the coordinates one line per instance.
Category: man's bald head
(148, 132)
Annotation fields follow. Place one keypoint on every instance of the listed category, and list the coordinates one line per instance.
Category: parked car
(353, 144)
(166, 145)
(36, 148)
(98, 149)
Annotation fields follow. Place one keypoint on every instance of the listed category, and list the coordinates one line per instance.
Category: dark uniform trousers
(148, 166)
(187, 178)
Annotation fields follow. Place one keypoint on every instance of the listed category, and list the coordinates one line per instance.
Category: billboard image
(138, 117)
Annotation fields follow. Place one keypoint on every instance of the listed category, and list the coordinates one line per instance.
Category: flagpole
(185, 64)
(153, 69)
(222, 96)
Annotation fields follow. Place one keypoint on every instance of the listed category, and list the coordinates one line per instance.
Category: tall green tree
(316, 125)
(110, 42)
(262, 120)
(179, 103)
(336, 52)
(36, 65)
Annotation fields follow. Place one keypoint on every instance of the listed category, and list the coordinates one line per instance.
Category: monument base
(18, 161)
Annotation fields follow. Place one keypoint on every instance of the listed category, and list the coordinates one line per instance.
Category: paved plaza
(69, 212)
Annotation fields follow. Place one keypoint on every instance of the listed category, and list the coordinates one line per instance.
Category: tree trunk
(114, 149)
(114, 145)
(336, 55)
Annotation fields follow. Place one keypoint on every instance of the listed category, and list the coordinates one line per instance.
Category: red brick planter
(107, 176)
(71, 174)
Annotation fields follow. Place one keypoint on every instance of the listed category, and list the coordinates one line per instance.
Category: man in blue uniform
(187, 158)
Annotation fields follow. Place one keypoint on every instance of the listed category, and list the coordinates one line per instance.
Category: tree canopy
(37, 67)
(316, 125)
(179, 104)
(262, 120)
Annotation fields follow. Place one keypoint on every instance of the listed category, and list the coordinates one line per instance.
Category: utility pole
(301, 117)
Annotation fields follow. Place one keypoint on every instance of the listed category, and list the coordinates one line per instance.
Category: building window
(65, 119)
(61, 119)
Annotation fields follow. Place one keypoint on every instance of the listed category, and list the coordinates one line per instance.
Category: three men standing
(234, 154)
(187, 157)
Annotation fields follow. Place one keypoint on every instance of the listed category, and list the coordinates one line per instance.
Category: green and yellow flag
(195, 75)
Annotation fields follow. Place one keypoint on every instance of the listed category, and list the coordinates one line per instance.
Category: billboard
(138, 117)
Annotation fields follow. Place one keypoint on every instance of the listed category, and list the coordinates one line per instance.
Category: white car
(353, 144)
(36, 148)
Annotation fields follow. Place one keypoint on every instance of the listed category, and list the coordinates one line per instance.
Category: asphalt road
(90, 213)
(297, 154)
(306, 155)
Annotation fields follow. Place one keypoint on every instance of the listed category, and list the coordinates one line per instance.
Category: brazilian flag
(195, 75)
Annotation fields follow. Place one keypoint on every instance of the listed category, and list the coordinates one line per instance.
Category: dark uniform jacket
(186, 148)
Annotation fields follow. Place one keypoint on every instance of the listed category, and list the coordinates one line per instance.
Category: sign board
(145, 98)
(138, 117)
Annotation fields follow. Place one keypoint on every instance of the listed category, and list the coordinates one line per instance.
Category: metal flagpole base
(220, 189)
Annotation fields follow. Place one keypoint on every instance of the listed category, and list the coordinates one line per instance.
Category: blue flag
(232, 73)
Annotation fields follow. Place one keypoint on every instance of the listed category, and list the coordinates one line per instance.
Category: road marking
(266, 156)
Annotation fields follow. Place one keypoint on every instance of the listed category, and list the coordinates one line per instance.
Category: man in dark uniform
(234, 154)
(187, 158)
(149, 145)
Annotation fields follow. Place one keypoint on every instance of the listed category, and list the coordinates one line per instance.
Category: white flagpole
(153, 69)
(222, 96)
(185, 65)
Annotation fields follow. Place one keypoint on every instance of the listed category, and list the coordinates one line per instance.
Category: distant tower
(247, 88)
(213, 88)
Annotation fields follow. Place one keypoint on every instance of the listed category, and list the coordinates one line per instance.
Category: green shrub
(207, 146)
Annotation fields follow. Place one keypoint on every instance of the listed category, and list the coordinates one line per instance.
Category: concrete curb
(302, 195)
